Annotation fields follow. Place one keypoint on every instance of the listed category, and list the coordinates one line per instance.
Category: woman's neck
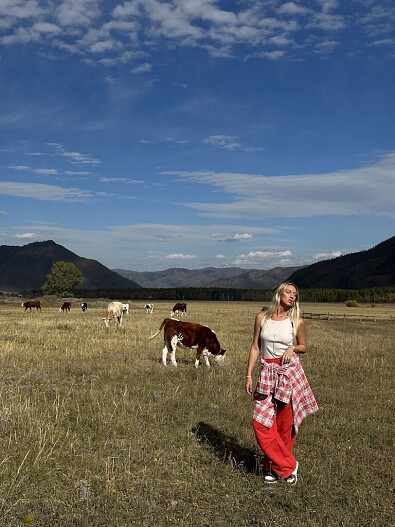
(280, 314)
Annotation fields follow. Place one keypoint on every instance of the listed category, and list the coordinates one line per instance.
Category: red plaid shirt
(283, 383)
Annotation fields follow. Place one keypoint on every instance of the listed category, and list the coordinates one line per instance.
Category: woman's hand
(288, 354)
(249, 385)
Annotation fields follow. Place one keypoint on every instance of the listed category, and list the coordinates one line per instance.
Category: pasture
(95, 431)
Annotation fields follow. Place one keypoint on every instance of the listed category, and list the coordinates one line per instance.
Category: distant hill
(371, 268)
(228, 277)
(26, 268)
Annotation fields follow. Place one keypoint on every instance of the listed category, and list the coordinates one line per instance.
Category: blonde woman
(282, 397)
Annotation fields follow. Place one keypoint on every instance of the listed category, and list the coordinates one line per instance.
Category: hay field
(94, 431)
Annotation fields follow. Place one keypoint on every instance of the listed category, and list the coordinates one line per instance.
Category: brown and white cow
(66, 306)
(32, 303)
(149, 308)
(179, 309)
(114, 312)
(189, 335)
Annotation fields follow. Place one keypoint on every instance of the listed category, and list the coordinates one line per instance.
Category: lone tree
(63, 278)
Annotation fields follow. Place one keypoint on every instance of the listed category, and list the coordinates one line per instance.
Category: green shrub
(351, 303)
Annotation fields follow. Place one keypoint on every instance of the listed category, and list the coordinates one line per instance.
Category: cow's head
(220, 356)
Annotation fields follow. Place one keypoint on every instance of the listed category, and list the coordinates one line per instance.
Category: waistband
(277, 360)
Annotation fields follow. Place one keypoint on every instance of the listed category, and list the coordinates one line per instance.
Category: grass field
(94, 431)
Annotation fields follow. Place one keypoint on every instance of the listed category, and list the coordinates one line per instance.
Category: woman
(282, 397)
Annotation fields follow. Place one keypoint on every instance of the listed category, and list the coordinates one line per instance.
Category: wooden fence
(348, 316)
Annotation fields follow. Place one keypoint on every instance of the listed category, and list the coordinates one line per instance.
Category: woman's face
(288, 296)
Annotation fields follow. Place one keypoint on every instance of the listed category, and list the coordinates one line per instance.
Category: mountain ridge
(26, 268)
(223, 277)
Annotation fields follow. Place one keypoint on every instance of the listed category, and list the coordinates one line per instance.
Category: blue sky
(152, 134)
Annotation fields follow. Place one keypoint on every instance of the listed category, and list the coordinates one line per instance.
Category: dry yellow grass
(94, 431)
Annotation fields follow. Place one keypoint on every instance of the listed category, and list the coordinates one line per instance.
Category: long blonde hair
(294, 311)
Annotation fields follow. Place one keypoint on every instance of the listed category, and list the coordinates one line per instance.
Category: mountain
(371, 268)
(26, 267)
(227, 277)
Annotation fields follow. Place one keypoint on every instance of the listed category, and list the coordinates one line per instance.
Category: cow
(125, 309)
(179, 309)
(149, 308)
(84, 306)
(32, 303)
(66, 306)
(189, 335)
(114, 311)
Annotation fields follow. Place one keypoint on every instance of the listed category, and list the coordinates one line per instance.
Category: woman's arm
(254, 351)
(299, 347)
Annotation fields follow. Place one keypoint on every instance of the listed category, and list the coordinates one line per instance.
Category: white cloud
(46, 171)
(290, 8)
(26, 236)
(142, 68)
(238, 237)
(260, 257)
(43, 192)
(77, 12)
(227, 142)
(327, 256)
(19, 167)
(180, 256)
(368, 190)
(222, 141)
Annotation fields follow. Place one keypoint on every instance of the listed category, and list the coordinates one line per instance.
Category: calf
(66, 306)
(125, 309)
(32, 303)
(189, 335)
(179, 309)
(149, 308)
(84, 306)
(114, 311)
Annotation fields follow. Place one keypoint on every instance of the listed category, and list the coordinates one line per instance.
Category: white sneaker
(270, 478)
(293, 478)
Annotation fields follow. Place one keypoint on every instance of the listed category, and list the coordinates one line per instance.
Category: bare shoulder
(260, 316)
(301, 324)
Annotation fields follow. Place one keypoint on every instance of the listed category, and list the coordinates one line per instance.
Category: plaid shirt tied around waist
(285, 383)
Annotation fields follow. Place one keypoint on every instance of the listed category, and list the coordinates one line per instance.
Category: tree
(63, 278)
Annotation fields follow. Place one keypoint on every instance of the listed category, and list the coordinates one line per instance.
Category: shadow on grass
(228, 449)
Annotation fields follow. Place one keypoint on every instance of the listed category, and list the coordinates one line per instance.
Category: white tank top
(276, 336)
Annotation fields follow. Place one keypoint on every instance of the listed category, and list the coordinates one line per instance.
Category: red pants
(277, 442)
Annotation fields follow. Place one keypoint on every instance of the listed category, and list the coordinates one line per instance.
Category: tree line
(374, 295)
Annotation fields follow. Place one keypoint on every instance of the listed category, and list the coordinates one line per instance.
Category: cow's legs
(205, 356)
(173, 344)
(199, 354)
(164, 355)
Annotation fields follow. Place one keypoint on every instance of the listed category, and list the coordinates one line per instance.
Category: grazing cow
(189, 335)
(32, 303)
(125, 309)
(179, 309)
(114, 311)
(149, 308)
(66, 306)
(84, 306)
